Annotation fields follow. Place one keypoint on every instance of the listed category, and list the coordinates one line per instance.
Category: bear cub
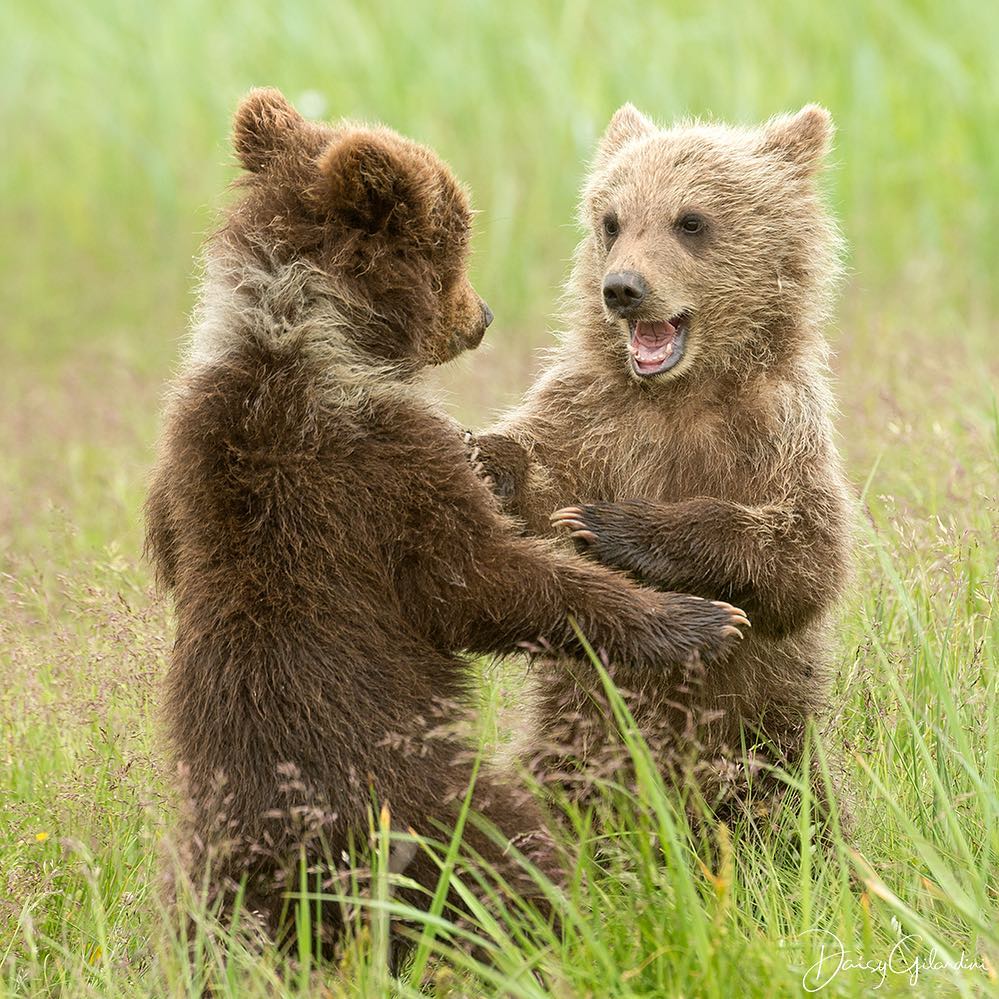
(683, 430)
(329, 550)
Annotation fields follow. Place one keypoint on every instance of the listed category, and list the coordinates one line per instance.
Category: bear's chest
(667, 455)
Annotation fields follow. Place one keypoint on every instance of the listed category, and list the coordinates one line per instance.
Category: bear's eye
(690, 223)
(611, 227)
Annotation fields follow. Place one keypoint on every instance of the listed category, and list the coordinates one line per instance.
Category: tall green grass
(115, 117)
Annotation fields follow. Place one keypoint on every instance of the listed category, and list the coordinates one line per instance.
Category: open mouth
(657, 346)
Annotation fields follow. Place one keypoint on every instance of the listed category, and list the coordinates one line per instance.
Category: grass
(116, 115)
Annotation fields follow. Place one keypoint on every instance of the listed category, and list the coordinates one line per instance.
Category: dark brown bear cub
(684, 424)
(329, 550)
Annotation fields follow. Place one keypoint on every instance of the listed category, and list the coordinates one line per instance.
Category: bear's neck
(252, 302)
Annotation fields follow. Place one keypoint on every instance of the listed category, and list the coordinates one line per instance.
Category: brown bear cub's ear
(374, 180)
(802, 139)
(262, 126)
(627, 124)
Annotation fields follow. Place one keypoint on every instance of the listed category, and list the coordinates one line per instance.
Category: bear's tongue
(652, 343)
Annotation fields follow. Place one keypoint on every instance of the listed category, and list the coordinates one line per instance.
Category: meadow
(115, 118)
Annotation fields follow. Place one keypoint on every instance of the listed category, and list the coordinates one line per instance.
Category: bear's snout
(474, 338)
(624, 292)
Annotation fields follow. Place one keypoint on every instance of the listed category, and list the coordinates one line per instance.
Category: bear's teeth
(659, 355)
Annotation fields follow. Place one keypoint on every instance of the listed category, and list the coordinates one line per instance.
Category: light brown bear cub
(682, 431)
(330, 552)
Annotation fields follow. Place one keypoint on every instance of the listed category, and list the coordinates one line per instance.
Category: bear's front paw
(473, 454)
(701, 630)
(610, 532)
(499, 461)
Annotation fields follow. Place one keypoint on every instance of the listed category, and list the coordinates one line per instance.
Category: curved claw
(737, 613)
(572, 525)
(566, 513)
(584, 535)
(535, 648)
(731, 629)
(725, 605)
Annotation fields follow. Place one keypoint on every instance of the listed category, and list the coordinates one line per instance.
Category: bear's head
(381, 219)
(707, 247)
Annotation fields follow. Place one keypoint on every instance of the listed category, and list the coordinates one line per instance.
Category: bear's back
(291, 513)
(293, 509)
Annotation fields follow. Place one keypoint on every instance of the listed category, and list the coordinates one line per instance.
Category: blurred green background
(115, 118)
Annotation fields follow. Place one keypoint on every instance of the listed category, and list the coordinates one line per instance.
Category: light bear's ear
(372, 178)
(627, 124)
(802, 139)
(263, 124)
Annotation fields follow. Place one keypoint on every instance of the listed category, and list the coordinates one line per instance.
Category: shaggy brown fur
(329, 549)
(717, 474)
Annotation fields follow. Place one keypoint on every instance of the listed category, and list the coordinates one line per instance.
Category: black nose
(487, 315)
(624, 291)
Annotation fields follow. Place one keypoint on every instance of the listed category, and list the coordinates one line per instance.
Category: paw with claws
(573, 519)
(700, 629)
(586, 523)
(499, 461)
(617, 534)
(473, 454)
(620, 536)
